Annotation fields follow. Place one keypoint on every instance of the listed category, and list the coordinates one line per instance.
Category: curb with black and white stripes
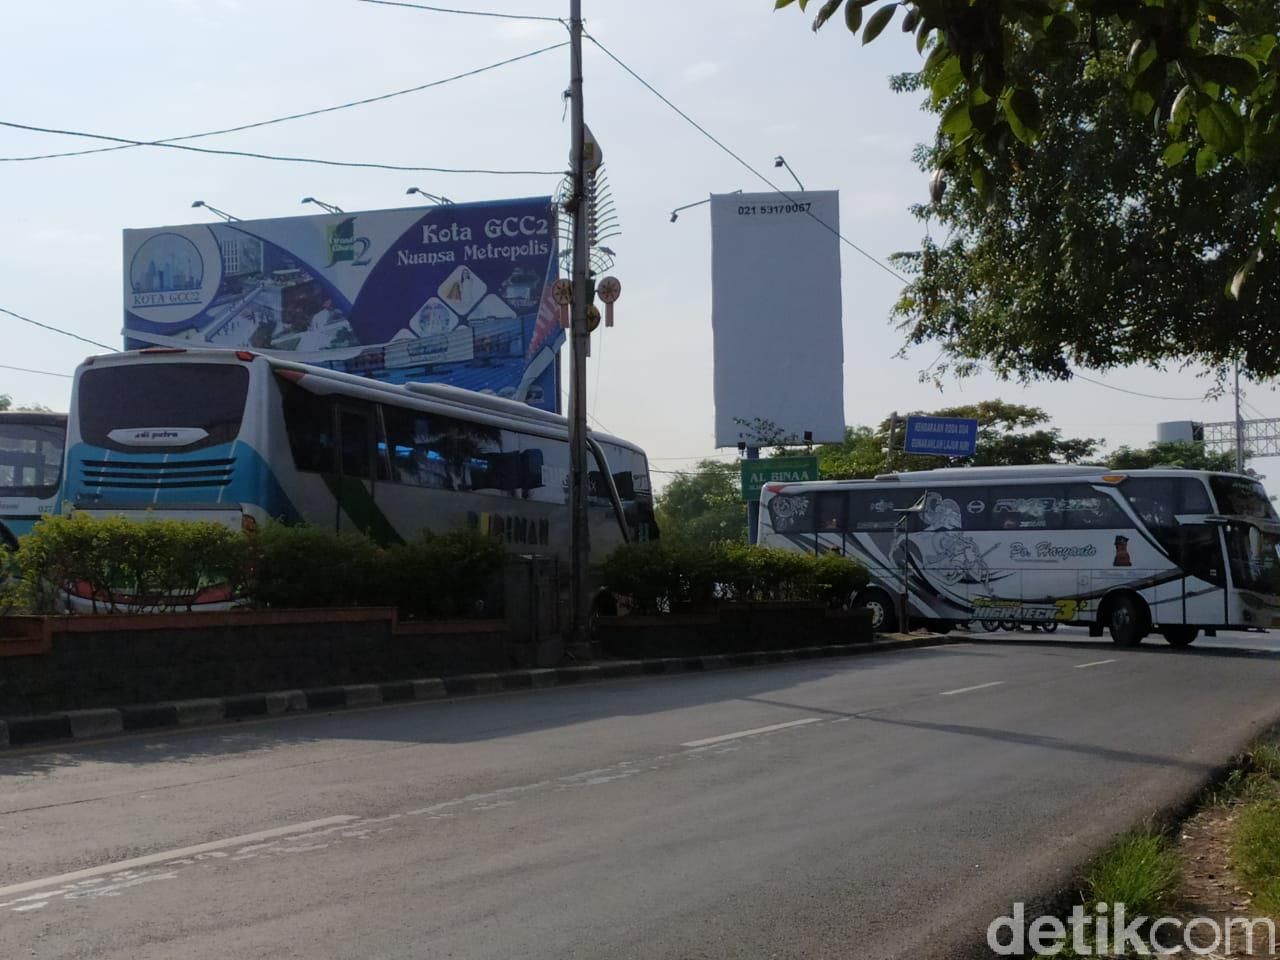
(104, 722)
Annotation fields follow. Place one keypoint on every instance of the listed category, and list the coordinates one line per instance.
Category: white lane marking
(1094, 663)
(168, 855)
(708, 741)
(980, 686)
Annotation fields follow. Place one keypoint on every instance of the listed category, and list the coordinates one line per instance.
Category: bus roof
(444, 394)
(943, 476)
(33, 416)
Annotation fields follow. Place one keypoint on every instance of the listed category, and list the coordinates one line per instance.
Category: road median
(80, 725)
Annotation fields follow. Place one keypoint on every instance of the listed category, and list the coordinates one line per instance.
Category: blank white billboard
(776, 316)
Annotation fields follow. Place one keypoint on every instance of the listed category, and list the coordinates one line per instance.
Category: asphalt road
(879, 806)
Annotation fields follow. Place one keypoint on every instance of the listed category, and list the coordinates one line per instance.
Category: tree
(1177, 453)
(704, 505)
(1088, 142)
(5, 401)
(1009, 434)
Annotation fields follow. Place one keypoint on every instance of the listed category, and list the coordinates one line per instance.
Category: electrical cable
(1076, 375)
(278, 157)
(292, 116)
(65, 333)
(706, 133)
(47, 373)
(466, 13)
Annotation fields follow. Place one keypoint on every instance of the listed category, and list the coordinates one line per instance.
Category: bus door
(353, 486)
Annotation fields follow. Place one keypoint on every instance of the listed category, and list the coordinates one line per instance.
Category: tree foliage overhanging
(1109, 181)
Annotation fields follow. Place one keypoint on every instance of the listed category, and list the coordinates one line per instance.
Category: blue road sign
(942, 436)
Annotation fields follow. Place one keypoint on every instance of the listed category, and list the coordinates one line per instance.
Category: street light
(904, 522)
(781, 161)
(214, 210)
(434, 198)
(675, 214)
(326, 207)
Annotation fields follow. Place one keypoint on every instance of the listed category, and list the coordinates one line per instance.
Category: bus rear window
(162, 407)
(30, 459)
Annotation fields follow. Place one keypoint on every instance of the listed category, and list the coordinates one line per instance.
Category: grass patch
(1142, 870)
(1256, 778)
(1256, 851)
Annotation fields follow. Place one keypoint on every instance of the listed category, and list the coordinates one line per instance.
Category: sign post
(756, 473)
(941, 436)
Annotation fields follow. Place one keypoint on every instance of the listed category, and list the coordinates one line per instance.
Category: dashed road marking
(980, 686)
(168, 855)
(708, 741)
(1094, 663)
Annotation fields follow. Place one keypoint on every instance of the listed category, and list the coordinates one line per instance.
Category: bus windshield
(30, 458)
(162, 407)
(1254, 556)
(1241, 497)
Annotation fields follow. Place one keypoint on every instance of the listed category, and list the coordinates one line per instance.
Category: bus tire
(1126, 619)
(1179, 636)
(884, 611)
(991, 626)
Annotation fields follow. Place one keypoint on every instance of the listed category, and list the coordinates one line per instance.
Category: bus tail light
(245, 355)
(293, 376)
(1114, 477)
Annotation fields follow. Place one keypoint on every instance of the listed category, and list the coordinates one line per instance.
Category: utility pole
(1239, 424)
(580, 339)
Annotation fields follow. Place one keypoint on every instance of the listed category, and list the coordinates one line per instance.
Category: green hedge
(658, 575)
(141, 566)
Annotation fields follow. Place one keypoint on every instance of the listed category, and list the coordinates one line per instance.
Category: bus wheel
(1126, 622)
(1049, 626)
(1179, 636)
(884, 615)
(991, 626)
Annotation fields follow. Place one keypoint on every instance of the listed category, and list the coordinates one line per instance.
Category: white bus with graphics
(242, 439)
(1171, 551)
(31, 452)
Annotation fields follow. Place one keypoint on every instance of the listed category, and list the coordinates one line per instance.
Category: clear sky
(760, 81)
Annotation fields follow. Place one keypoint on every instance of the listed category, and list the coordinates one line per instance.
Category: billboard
(458, 293)
(776, 317)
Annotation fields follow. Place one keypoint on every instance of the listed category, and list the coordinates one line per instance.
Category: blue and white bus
(31, 452)
(243, 439)
(1133, 551)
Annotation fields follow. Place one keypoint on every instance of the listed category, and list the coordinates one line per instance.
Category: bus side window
(356, 439)
(829, 507)
(309, 423)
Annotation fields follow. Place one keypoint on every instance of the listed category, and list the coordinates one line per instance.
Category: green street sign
(756, 473)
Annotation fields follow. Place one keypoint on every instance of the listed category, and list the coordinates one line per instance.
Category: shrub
(658, 574)
(130, 565)
(120, 564)
(437, 575)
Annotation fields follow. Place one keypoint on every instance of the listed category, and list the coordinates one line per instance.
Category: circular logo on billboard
(172, 275)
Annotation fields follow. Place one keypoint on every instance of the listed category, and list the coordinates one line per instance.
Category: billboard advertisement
(776, 317)
(458, 293)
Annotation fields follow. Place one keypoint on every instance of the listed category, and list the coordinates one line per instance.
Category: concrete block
(202, 710)
(286, 701)
(363, 694)
(95, 723)
(429, 688)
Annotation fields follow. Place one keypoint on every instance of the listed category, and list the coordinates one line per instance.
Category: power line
(465, 13)
(47, 373)
(292, 116)
(1150, 396)
(65, 333)
(706, 133)
(271, 156)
